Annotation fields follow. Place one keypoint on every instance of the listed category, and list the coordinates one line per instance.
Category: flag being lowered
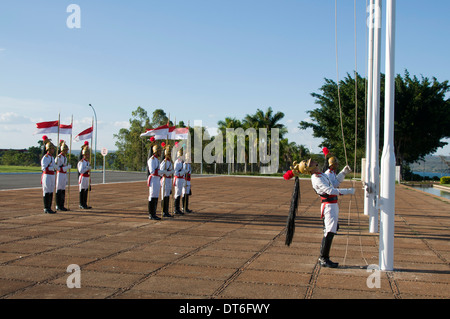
(180, 133)
(65, 129)
(160, 133)
(47, 127)
(85, 135)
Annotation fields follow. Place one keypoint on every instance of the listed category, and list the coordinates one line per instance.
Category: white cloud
(13, 118)
(121, 124)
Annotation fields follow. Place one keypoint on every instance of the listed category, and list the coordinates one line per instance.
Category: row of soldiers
(165, 175)
(162, 178)
(60, 166)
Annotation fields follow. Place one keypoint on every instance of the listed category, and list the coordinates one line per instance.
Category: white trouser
(330, 212)
(48, 183)
(61, 181)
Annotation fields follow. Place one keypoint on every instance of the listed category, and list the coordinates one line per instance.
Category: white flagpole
(368, 168)
(70, 169)
(387, 189)
(375, 135)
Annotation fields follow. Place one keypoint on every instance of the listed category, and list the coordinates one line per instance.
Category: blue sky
(197, 59)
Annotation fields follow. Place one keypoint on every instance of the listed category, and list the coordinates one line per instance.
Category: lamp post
(95, 150)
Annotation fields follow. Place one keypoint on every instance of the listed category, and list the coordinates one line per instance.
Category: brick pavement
(231, 247)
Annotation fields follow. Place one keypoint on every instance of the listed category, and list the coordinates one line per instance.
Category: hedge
(445, 180)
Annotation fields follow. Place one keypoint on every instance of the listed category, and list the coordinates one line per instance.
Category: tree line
(422, 120)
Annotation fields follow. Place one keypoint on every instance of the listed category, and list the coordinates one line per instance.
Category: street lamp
(95, 150)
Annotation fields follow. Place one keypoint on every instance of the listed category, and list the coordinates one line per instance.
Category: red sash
(150, 177)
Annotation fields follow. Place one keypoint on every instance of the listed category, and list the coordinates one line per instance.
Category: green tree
(131, 148)
(421, 117)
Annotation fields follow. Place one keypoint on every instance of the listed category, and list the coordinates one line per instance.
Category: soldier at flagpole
(154, 181)
(61, 176)
(329, 207)
(48, 167)
(84, 170)
(166, 180)
(187, 187)
(45, 140)
(178, 182)
(336, 178)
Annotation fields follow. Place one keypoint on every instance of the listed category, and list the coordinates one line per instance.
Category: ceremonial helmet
(63, 146)
(49, 145)
(85, 149)
(305, 166)
(156, 148)
(167, 151)
(332, 162)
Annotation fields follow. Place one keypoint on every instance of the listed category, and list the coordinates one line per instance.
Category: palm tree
(267, 120)
(223, 126)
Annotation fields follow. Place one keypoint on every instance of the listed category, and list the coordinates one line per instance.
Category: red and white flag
(65, 129)
(180, 133)
(47, 127)
(160, 133)
(85, 135)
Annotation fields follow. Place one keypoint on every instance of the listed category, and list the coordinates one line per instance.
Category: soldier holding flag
(166, 180)
(179, 181)
(187, 188)
(48, 167)
(61, 176)
(84, 169)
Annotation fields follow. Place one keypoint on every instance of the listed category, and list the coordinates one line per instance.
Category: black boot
(166, 207)
(48, 198)
(152, 205)
(187, 204)
(81, 203)
(177, 206)
(60, 200)
(63, 200)
(86, 192)
(324, 258)
(83, 199)
(183, 204)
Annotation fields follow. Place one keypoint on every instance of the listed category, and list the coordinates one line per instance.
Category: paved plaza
(231, 247)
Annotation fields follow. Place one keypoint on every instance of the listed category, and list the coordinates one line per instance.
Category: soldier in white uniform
(48, 167)
(84, 169)
(179, 180)
(329, 207)
(166, 181)
(333, 165)
(61, 176)
(187, 188)
(154, 182)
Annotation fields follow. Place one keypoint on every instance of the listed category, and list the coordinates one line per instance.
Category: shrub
(445, 180)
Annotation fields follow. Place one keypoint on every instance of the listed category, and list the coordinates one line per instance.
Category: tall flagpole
(56, 154)
(367, 191)
(70, 168)
(375, 134)
(387, 189)
(90, 163)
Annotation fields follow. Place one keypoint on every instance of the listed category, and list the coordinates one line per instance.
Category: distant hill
(433, 164)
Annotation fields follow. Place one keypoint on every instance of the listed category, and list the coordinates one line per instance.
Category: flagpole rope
(356, 128)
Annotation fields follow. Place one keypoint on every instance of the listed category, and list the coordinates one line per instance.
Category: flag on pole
(180, 133)
(160, 133)
(65, 129)
(85, 135)
(47, 127)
